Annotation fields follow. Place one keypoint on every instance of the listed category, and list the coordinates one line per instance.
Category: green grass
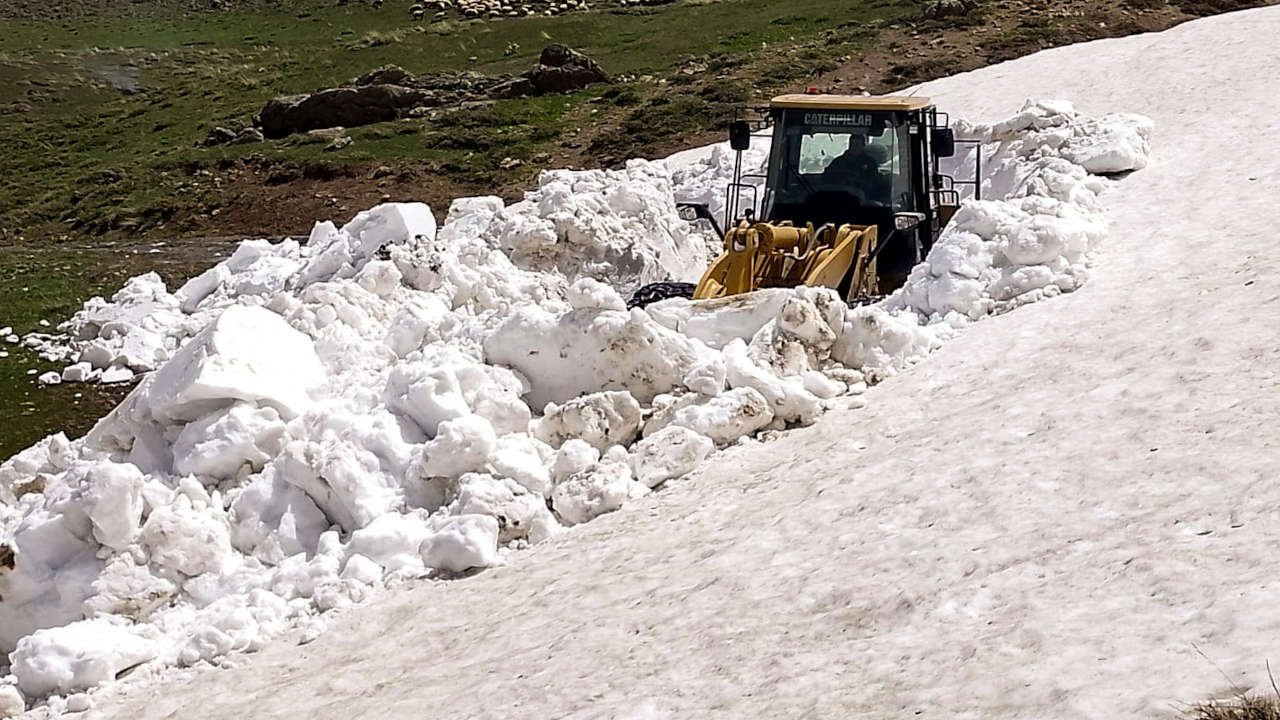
(47, 285)
(198, 70)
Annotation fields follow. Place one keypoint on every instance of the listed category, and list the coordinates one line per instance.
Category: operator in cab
(858, 170)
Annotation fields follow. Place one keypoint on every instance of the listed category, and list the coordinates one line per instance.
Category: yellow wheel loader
(852, 199)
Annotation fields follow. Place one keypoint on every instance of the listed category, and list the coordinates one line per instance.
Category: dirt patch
(991, 33)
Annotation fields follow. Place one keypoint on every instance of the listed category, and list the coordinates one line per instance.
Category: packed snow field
(392, 400)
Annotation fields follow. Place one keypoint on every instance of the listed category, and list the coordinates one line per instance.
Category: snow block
(248, 353)
(724, 418)
(331, 253)
(589, 494)
(461, 542)
(601, 419)
(77, 656)
(392, 541)
(587, 351)
(668, 454)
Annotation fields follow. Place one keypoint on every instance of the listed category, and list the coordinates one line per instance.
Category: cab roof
(851, 102)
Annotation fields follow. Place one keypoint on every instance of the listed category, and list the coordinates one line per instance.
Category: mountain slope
(1045, 519)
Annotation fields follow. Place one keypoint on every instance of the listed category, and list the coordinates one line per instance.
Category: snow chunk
(586, 351)
(882, 343)
(79, 372)
(113, 501)
(442, 383)
(787, 397)
(724, 418)
(462, 445)
(116, 375)
(668, 454)
(182, 537)
(231, 624)
(77, 656)
(589, 293)
(362, 569)
(594, 492)
(519, 513)
(586, 223)
(719, 321)
(573, 457)
(461, 542)
(272, 519)
(11, 702)
(525, 460)
(248, 353)
(392, 541)
(600, 419)
(331, 253)
(220, 444)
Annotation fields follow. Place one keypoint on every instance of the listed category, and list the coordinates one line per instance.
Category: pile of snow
(393, 400)
(1043, 170)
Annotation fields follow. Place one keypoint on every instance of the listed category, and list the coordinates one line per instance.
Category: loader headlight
(907, 220)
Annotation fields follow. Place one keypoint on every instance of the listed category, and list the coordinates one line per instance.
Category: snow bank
(395, 399)
(1031, 241)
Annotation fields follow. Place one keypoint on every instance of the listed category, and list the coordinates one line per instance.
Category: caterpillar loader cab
(852, 198)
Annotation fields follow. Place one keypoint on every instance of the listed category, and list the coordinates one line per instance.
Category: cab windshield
(870, 163)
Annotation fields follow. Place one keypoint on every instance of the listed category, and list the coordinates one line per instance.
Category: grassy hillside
(107, 112)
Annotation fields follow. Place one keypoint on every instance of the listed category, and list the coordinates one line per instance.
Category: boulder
(219, 136)
(559, 69)
(562, 69)
(344, 106)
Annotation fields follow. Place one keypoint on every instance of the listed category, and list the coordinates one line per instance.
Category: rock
(344, 106)
(559, 69)
(391, 92)
(248, 136)
(219, 136)
(338, 143)
(562, 69)
(385, 75)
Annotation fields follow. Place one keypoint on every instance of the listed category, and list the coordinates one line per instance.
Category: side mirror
(692, 212)
(739, 135)
(944, 142)
(905, 221)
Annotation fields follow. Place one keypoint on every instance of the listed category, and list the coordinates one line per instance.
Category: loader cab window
(865, 156)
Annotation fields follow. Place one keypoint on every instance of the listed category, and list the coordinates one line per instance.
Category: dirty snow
(394, 399)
